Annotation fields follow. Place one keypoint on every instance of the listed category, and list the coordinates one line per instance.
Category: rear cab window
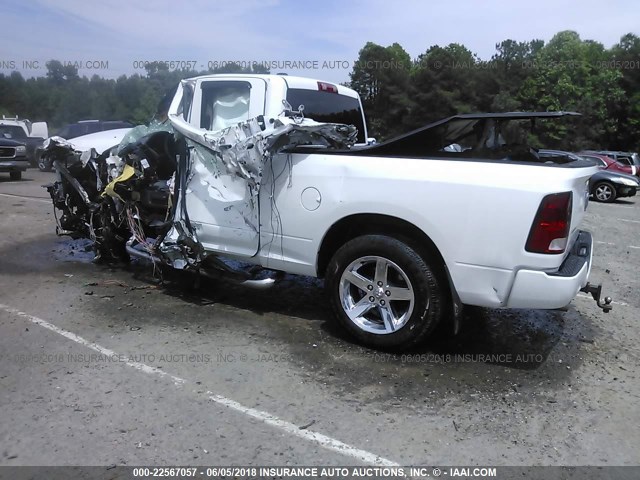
(328, 107)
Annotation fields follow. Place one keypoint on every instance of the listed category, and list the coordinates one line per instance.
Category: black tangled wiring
(275, 211)
(185, 239)
(183, 169)
(178, 201)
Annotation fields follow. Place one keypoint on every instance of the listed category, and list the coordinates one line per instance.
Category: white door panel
(220, 205)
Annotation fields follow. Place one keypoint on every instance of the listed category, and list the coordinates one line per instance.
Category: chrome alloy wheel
(603, 192)
(376, 295)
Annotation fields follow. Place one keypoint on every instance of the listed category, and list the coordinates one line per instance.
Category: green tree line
(62, 96)
(567, 73)
(401, 93)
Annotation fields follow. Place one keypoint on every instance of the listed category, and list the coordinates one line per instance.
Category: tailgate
(579, 185)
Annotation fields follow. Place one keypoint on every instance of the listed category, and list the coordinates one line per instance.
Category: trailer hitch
(596, 293)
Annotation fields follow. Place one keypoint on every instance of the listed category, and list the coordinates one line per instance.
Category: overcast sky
(123, 33)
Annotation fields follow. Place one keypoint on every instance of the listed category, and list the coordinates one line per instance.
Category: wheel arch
(356, 225)
(353, 226)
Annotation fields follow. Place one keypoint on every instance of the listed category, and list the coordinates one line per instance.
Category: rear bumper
(14, 164)
(547, 290)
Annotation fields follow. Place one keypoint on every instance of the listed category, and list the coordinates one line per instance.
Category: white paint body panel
(479, 227)
(478, 214)
(220, 206)
(101, 141)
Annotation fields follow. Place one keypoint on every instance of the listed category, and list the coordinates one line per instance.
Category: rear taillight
(327, 87)
(550, 230)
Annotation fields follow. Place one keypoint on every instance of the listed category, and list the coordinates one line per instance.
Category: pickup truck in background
(274, 173)
(32, 135)
(84, 129)
(13, 158)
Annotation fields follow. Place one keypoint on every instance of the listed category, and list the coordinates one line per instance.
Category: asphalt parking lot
(108, 365)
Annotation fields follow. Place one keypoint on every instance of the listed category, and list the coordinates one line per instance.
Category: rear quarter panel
(478, 214)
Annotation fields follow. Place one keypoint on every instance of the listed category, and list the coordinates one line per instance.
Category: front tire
(604, 192)
(384, 293)
(15, 175)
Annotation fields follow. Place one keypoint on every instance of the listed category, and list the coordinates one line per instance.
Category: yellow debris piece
(126, 174)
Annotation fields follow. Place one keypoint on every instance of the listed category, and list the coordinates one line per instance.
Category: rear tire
(604, 192)
(384, 293)
(16, 175)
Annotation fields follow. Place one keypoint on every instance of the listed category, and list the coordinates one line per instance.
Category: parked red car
(608, 163)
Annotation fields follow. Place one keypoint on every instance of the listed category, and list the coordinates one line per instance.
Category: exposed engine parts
(131, 200)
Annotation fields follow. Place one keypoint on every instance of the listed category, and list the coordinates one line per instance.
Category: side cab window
(218, 104)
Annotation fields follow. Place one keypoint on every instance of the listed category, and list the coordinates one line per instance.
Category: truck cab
(266, 171)
(218, 101)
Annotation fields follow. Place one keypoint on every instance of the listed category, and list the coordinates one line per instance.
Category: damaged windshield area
(168, 187)
(12, 132)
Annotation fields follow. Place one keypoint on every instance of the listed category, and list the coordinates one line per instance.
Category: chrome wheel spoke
(381, 272)
(367, 286)
(388, 318)
(359, 309)
(399, 293)
(358, 280)
(603, 192)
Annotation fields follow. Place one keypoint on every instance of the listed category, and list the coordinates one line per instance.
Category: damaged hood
(201, 180)
(100, 141)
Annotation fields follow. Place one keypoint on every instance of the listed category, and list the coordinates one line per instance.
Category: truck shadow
(495, 348)
(522, 339)
(506, 355)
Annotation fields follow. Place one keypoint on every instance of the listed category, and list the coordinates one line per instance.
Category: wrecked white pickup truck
(275, 171)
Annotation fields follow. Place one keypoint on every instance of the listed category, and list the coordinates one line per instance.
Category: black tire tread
(423, 320)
